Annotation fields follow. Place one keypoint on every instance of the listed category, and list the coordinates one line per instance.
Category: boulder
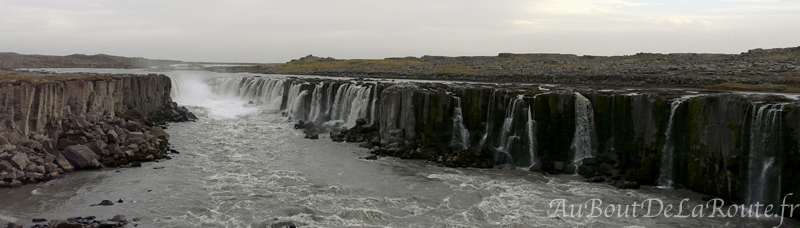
(29, 143)
(49, 158)
(132, 125)
(20, 161)
(605, 169)
(40, 169)
(584, 170)
(64, 142)
(8, 148)
(119, 218)
(312, 136)
(5, 156)
(112, 136)
(80, 156)
(48, 145)
(361, 121)
(134, 147)
(137, 137)
(99, 148)
(5, 166)
(62, 162)
(159, 133)
(82, 121)
(34, 176)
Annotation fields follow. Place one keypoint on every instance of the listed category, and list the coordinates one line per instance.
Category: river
(243, 165)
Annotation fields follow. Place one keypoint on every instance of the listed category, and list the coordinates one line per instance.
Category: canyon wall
(52, 124)
(732, 145)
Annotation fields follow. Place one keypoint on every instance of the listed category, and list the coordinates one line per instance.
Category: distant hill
(11, 60)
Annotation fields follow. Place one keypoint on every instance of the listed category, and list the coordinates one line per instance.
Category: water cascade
(489, 124)
(531, 128)
(295, 102)
(316, 103)
(765, 139)
(583, 140)
(667, 151)
(360, 105)
(460, 133)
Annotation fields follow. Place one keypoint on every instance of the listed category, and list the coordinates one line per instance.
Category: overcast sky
(278, 31)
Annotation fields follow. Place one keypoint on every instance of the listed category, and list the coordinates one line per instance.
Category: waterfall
(531, 128)
(583, 140)
(359, 107)
(764, 177)
(294, 101)
(316, 103)
(507, 134)
(667, 151)
(375, 100)
(460, 133)
(275, 91)
(340, 104)
(489, 123)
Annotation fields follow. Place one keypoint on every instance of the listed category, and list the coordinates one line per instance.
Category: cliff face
(734, 145)
(29, 107)
(52, 124)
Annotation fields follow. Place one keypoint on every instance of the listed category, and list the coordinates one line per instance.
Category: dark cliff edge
(54, 124)
(741, 147)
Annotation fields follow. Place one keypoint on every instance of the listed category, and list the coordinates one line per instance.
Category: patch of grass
(752, 87)
(344, 64)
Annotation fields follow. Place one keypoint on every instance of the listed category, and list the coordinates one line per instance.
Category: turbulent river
(243, 165)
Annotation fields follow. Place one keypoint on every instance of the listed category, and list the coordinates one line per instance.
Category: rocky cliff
(52, 124)
(739, 146)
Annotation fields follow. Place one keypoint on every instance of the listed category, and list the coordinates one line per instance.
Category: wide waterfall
(460, 133)
(349, 103)
(764, 176)
(667, 151)
(583, 145)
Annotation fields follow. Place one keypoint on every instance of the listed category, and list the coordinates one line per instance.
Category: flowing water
(583, 143)
(460, 133)
(764, 174)
(242, 165)
(667, 151)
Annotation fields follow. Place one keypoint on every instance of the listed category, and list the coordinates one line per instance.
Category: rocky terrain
(11, 61)
(758, 69)
(51, 125)
(54, 124)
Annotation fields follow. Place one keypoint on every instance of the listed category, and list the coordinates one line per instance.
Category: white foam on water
(8, 218)
(191, 89)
